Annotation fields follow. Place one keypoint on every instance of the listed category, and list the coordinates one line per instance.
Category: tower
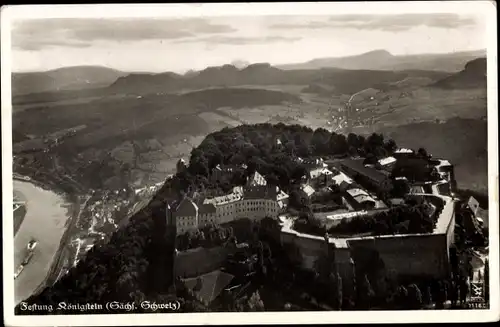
(181, 165)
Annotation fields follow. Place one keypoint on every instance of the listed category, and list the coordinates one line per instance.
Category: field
(148, 134)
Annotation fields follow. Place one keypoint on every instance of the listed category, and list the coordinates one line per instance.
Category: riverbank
(57, 210)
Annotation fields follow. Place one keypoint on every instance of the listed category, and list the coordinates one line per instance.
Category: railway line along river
(45, 217)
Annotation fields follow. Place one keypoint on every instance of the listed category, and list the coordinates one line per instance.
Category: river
(44, 221)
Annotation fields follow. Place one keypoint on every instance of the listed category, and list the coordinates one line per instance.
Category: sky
(169, 44)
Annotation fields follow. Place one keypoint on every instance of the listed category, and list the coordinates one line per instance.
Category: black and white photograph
(296, 162)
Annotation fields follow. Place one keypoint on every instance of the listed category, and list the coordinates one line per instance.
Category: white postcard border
(485, 8)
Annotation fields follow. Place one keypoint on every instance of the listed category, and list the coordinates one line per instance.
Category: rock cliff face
(472, 76)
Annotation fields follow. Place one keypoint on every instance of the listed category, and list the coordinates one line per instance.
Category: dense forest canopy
(271, 149)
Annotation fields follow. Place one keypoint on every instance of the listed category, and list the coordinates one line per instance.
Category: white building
(255, 201)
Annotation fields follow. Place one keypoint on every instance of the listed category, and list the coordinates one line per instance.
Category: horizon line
(184, 71)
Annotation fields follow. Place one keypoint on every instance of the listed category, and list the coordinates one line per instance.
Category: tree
(428, 296)
(339, 292)
(367, 293)
(453, 292)
(464, 290)
(255, 303)
(390, 146)
(423, 153)
(441, 295)
(414, 297)
(400, 297)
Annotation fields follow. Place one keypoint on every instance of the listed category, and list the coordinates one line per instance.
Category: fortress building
(256, 200)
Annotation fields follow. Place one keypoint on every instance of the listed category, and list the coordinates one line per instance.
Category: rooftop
(317, 172)
(356, 192)
(473, 204)
(256, 179)
(307, 189)
(186, 208)
(404, 150)
(387, 161)
(342, 178)
(359, 167)
(224, 199)
(209, 286)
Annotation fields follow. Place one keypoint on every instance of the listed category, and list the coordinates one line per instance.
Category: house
(377, 180)
(342, 181)
(360, 199)
(307, 190)
(320, 177)
(208, 287)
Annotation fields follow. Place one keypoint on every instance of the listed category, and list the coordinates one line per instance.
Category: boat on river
(32, 245)
(19, 271)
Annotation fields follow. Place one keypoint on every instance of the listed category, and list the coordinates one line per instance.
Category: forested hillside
(128, 269)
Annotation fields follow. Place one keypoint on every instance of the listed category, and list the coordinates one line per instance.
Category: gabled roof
(307, 189)
(342, 178)
(360, 195)
(315, 173)
(187, 208)
(473, 205)
(356, 192)
(209, 286)
(256, 179)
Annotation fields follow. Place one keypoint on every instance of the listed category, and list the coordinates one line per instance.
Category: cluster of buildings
(254, 200)
(320, 177)
(403, 255)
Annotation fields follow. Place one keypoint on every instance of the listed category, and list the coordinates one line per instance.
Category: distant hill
(341, 80)
(67, 78)
(384, 60)
(472, 76)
